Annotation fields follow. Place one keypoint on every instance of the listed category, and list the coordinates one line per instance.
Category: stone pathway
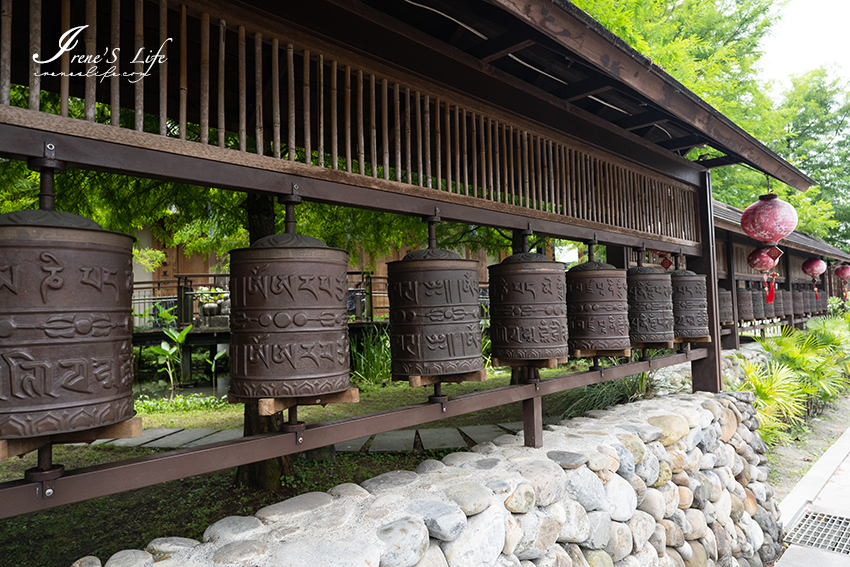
(391, 441)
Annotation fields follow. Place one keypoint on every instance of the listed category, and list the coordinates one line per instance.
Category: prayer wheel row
(753, 306)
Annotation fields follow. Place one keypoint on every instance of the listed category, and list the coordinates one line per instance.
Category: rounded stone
(597, 558)
(600, 530)
(697, 521)
(658, 539)
(634, 445)
(521, 501)
(576, 526)
(548, 479)
(665, 473)
(626, 468)
(586, 488)
(429, 465)
(639, 487)
(648, 469)
(234, 527)
(350, 490)
(444, 521)
(240, 552)
(165, 545)
(699, 557)
(338, 552)
(751, 504)
(686, 497)
(567, 459)
(642, 525)
(673, 427)
(670, 492)
(390, 481)
(513, 533)
(297, 506)
(87, 561)
(653, 504)
(481, 542)
(622, 500)
(540, 531)
(406, 542)
(675, 537)
(130, 558)
(472, 497)
(620, 541)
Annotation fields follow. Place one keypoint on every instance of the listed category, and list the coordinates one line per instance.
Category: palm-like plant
(780, 400)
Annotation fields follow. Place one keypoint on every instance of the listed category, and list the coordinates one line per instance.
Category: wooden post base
(540, 363)
(680, 340)
(578, 353)
(122, 430)
(666, 344)
(271, 406)
(416, 381)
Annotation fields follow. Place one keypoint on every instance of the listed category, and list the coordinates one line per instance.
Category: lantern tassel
(771, 292)
(817, 297)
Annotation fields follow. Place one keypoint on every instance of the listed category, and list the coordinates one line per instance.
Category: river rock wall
(677, 481)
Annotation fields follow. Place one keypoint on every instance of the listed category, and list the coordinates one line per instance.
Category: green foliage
(179, 403)
(168, 353)
(148, 258)
(371, 359)
(578, 401)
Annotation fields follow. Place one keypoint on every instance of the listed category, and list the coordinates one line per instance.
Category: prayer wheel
(778, 304)
(650, 294)
(745, 305)
(528, 311)
(724, 303)
(434, 315)
(690, 305)
(66, 324)
(809, 301)
(769, 311)
(799, 307)
(758, 304)
(289, 319)
(598, 310)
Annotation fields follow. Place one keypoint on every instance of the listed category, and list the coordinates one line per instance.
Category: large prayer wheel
(690, 305)
(289, 321)
(724, 303)
(809, 301)
(778, 303)
(745, 305)
(528, 311)
(598, 310)
(434, 316)
(769, 312)
(66, 324)
(799, 307)
(650, 294)
(758, 304)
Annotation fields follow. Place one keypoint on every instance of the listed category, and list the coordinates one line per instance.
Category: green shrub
(371, 359)
(578, 401)
(146, 404)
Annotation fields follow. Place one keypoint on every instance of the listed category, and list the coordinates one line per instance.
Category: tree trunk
(263, 475)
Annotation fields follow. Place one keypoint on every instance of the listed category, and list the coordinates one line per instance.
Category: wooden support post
(706, 371)
(733, 339)
(532, 421)
(786, 265)
(186, 362)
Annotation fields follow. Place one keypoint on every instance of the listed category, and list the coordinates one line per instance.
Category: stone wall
(669, 482)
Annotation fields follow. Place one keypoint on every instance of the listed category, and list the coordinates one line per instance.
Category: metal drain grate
(825, 531)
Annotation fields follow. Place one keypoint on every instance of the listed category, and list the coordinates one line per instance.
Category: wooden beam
(500, 46)
(585, 88)
(123, 430)
(721, 161)
(636, 121)
(683, 143)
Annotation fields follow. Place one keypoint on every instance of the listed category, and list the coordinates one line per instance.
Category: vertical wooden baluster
(243, 93)
(361, 142)
(534, 162)
(373, 125)
(35, 47)
(457, 149)
(64, 62)
(163, 68)
(511, 169)
(276, 98)
(290, 87)
(465, 157)
(419, 164)
(184, 73)
(581, 174)
(305, 84)
(139, 86)
(526, 185)
(448, 146)
(407, 127)
(6, 49)
(347, 113)
(385, 127)
(113, 60)
(563, 195)
(320, 75)
(205, 78)
(427, 141)
(220, 123)
(437, 143)
(334, 116)
(502, 152)
(490, 184)
(474, 154)
(258, 93)
(397, 123)
(90, 108)
(482, 155)
(550, 160)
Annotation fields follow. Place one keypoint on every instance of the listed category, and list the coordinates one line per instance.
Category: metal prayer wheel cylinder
(768, 307)
(434, 314)
(745, 305)
(66, 324)
(597, 309)
(809, 301)
(528, 310)
(799, 307)
(778, 303)
(787, 306)
(690, 305)
(288, 319)
(758, 304)
(650, 294)
(724, 305)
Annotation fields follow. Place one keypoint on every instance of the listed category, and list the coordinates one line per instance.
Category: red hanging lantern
(814, 267)
(842, 272)
(769, 220)
(762, 260)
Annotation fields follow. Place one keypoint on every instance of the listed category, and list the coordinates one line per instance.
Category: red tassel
(817, 297)
(770, 292)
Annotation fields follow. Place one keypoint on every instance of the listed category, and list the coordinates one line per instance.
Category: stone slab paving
(179, 439)
(482, 433)
(513, 427)
(393, 441)
(352, 446)
(445, 438)
(217, 437)
(147, 436)
(799, 556)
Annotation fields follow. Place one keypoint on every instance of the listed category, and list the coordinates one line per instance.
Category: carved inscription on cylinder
(745, 305)
(724, 303)
(799, 307)
(597, 307)
(650, 305)
(528, 312)
(289, 324)
(66, 357)
(690, 305)
(434, 314)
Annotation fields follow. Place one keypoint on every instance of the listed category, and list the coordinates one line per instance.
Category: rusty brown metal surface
(809, 301)
(724, 303)
(20, 497)
(650, 305)
(690, 306)
(758, 303)
(769, 308)
(597, 307)
(434, 318)
(66, 361)
(799, 307)
(288, 319)
(778, 303)
(528, 310)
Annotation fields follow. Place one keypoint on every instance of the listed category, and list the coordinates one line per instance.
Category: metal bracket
(297, 428)
(47, 161)
(442, 400)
